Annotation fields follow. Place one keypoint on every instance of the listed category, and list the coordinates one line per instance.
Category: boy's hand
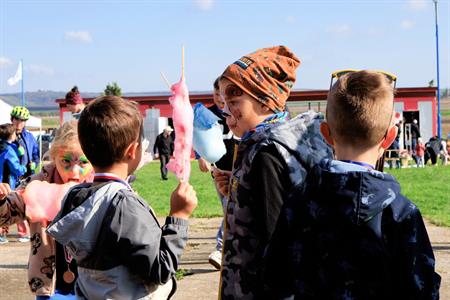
(183, 201)
(203, 165)
(222, 180)
(5, 190)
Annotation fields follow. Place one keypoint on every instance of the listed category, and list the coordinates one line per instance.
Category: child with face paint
(273, 156)
(51, 272)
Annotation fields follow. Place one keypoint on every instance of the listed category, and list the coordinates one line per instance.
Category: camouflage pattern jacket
(300, 146)
(354, 236)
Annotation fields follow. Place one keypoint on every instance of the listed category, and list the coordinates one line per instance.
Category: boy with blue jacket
(10, 167)
(353, 234)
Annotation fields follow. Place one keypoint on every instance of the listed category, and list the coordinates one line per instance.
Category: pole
(437, 71)
(21, 83)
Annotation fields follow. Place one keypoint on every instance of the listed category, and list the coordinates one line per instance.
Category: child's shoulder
(130, 200)
(403, 208)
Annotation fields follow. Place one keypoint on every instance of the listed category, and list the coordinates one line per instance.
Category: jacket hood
(358, 193)
(79, 221)
(3, 145)
(297, 139)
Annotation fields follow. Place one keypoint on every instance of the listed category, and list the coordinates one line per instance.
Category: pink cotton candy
(183, 119)
(43, 199)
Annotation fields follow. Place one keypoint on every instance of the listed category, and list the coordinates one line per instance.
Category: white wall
(426, 120)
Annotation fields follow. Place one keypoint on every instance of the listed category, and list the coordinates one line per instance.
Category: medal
(68, 276)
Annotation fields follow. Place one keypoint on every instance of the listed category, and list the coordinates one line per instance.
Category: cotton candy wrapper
(208, 140)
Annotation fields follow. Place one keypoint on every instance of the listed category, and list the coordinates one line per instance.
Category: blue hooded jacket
(10, 167)
(354, 236)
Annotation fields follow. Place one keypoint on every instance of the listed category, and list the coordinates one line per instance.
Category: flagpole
(21, 82)
(439, 128)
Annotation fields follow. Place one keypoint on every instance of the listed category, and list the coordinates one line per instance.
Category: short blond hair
(360, 108)
(66, 137)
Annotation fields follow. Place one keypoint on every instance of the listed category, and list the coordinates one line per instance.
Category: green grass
(50, 122)
(181, 273)
(429, 189)
(445, 113)
(157, 192)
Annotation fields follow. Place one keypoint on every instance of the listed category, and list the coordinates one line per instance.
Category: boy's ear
(389, 137)
(130, 152)
(325, 131)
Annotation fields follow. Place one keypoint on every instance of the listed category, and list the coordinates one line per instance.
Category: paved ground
(204, 281)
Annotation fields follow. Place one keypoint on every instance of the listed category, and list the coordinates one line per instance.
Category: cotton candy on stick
(183, 118)
(43, 199)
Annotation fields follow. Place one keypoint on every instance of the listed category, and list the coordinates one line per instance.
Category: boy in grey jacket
(121, 250)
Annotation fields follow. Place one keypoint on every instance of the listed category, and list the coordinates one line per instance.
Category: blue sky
(91, 43)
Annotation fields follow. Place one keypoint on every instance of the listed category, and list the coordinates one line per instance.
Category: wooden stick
(167, 81)
(182, 62)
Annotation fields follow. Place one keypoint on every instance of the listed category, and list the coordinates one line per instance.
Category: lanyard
(105, 177)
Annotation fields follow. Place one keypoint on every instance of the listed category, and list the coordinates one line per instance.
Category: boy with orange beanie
(273, 156)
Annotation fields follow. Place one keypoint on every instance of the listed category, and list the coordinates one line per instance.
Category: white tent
(34, 122)
(5, 117)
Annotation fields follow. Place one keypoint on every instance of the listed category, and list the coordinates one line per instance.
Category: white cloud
(78, 36)
(291, 19)
(418, 5)
(4, 62)
(342, 30)
(40, 70)
(204, 4)
(407, 24)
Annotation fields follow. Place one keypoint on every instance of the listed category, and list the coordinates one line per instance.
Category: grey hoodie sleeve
(149, 251)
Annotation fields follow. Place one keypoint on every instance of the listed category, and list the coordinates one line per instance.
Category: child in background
(225, 163)
(420, 153)
(353, 235)
(10, 167)
(443, 152)
(272, 157)
(124, 254)
(50, 272)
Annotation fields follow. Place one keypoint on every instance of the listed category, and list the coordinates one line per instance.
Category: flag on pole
(16, 78)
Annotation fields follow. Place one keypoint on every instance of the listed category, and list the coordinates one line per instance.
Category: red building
(412, 103)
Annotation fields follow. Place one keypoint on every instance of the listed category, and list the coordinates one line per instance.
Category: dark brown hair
(216, 83)
(107, 126)
(360, 108)
(6, 131)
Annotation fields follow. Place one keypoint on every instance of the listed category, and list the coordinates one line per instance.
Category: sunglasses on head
(338, 74)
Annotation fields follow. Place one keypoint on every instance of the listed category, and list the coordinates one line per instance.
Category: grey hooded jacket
(121, 250)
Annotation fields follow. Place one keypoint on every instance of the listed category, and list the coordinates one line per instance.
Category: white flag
(16, 78)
